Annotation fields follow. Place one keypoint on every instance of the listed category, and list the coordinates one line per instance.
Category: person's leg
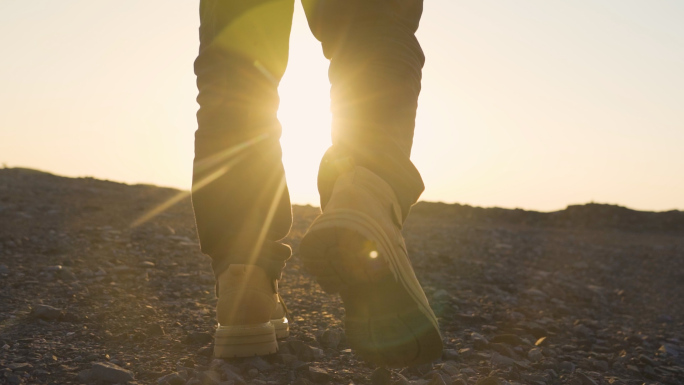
(239, 194)
(367, 181)
(375, 73)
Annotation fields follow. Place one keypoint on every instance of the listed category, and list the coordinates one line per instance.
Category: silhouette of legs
(239, 193)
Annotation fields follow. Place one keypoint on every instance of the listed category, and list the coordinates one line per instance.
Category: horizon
(531, 105)
(318, 206)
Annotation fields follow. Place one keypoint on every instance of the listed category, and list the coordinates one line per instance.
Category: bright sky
(534, 104)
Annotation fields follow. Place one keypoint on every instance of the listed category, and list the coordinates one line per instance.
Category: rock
(287, 359)
(231, 374)
(330, 338)
(206, 351)
(441, 295)
(566, 366)
(84, 376)
(668, 350)
(4, 269)
(253, 372)
(171, 379)
(198, 338)
(583, 331)
(491, 380)
(586, 380)
(318, 375)
(450, 368)
(535, 355)
(303, 351)
(381, 376)
(502, 361)
(13, 379)
(155, 330)
(510, 339)
(47, 312)
(146, 264)
(259, 363)
(19, 366)
(108, 372)
(450, 354)
(479, 341)
(209, 377)
(436, 380)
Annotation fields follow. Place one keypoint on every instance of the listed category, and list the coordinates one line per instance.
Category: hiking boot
(356, 248)
(246, 307)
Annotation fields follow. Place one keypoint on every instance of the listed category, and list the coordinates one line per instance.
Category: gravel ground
(589, 295)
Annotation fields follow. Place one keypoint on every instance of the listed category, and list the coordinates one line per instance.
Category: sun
(304, 112)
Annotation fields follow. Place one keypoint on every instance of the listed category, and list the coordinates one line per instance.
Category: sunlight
(304, 112)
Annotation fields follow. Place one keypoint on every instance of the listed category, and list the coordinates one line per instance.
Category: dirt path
(590, 295)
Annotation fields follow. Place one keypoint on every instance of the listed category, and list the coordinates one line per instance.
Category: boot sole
(245, 340)
(386, 321)
(282, 328)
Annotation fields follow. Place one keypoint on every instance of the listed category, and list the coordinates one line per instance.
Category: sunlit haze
(530, 104)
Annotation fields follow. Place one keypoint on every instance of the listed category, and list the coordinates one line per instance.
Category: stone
(209, 377)
(253, 372)
(108, 372)
(259, 363)
(491, 380)
(502, 361)
(287, 359)
(155, 330)
(46, 312)
(301, 350)
(84, 376)
(381, 376)
(566, 366)
(450, 354)
(535, 355)
(13, 379)
(146, 264)
(4, 269)
(231, 374)
(171, 379)
(19, 366)
(198, 338)
(441, 295)
(436, 380)
(510, 339)
(586, 380)
(479, 341)
(318, 375)
(330, 338)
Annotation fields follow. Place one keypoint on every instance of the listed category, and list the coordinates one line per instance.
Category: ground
(588, 295)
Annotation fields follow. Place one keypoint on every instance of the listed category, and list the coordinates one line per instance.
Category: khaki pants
(240, 197)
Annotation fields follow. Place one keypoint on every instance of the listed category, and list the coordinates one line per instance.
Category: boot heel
(245, 340)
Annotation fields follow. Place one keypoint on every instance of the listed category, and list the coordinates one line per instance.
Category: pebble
(510, 339)
(171, 379)
(450, 354)
(108, 372)
(318, 375)
(381, 376)
(47, 312)
(259, 363)
(566, 366)
(330, 338)
(303, 351)
(535, 354)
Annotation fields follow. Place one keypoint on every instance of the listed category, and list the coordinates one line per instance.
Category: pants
(240, 197)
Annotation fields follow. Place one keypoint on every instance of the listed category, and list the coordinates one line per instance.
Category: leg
(367, 181)
(241, 201)
(375, 72)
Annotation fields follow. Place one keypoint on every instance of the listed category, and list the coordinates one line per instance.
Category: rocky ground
(589, 295)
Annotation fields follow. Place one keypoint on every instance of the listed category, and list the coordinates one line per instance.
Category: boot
(356, 248)
(246, 306)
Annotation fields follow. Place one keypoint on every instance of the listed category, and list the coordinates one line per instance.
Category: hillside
(593, 294)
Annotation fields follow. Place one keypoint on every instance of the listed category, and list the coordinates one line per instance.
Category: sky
(531, 104)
